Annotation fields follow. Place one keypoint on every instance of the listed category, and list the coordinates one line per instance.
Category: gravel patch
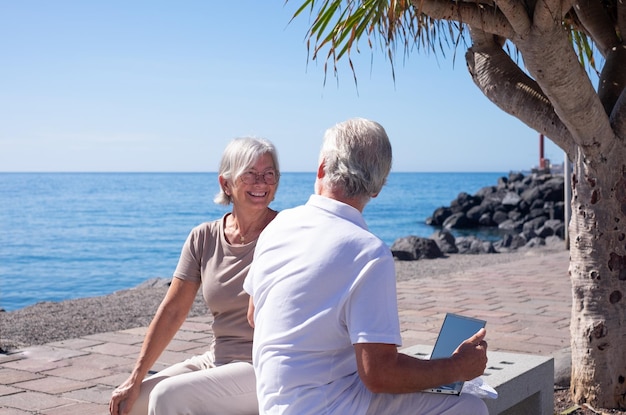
(47, 322)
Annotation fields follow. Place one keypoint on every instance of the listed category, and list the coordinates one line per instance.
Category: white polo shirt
(320, 282)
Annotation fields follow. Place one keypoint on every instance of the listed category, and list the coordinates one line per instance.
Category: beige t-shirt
(221, 268)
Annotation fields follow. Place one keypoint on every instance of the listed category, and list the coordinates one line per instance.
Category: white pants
(196, 386)
(426, 404)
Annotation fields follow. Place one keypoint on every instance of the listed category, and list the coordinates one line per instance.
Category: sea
(75, 235)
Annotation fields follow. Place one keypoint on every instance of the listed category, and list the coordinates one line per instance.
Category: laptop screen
(454, 331)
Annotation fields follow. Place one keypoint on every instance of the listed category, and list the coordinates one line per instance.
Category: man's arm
(383, 370)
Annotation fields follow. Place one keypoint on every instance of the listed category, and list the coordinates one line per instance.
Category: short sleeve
(371, 313)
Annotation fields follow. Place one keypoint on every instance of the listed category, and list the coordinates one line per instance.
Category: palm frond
(339, 25)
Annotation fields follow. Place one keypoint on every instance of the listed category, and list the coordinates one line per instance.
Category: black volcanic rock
(524, 210)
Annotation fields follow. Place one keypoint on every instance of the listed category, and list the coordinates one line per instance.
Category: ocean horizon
(74, 235)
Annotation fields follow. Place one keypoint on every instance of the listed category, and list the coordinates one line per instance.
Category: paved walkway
(526, 304)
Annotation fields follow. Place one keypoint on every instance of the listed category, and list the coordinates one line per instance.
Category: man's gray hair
(239, 156)
(357, 157)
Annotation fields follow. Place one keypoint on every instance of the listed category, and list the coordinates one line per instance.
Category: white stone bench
(524, 382)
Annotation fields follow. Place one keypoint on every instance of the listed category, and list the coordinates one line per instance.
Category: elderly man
(324, 305)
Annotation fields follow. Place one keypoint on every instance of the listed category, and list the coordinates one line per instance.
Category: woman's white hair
(357, 158)
(240, 155)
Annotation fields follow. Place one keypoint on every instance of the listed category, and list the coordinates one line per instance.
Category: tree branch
(597, 23)
(514, 92)
(516, 14)
(621, 19)
(473, 14)
(547, 13)
(551, 61)
(613, 78)
(618, 117)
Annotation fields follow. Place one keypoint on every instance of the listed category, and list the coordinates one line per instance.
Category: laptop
(454, 330)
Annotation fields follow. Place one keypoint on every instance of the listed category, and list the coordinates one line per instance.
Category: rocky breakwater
(522, 211)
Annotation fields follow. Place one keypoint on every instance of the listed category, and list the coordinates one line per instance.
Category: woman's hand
(124, 396)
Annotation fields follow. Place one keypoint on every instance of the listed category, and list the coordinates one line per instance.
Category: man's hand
(471, 356)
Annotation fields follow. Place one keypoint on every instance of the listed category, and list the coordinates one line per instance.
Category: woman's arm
(169, 317)
(251, 312)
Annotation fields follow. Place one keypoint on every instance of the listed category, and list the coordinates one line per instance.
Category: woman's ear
(224, 185)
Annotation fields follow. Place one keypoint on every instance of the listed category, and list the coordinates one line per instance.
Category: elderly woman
(215, 257)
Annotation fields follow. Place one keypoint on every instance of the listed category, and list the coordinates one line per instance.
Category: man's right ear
(320, 170)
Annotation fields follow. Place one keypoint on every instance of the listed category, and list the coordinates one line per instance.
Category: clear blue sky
(164, 85)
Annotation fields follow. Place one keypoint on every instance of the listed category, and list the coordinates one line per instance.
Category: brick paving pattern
(527, 305)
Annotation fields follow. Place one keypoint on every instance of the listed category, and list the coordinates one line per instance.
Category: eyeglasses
(268, 177)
